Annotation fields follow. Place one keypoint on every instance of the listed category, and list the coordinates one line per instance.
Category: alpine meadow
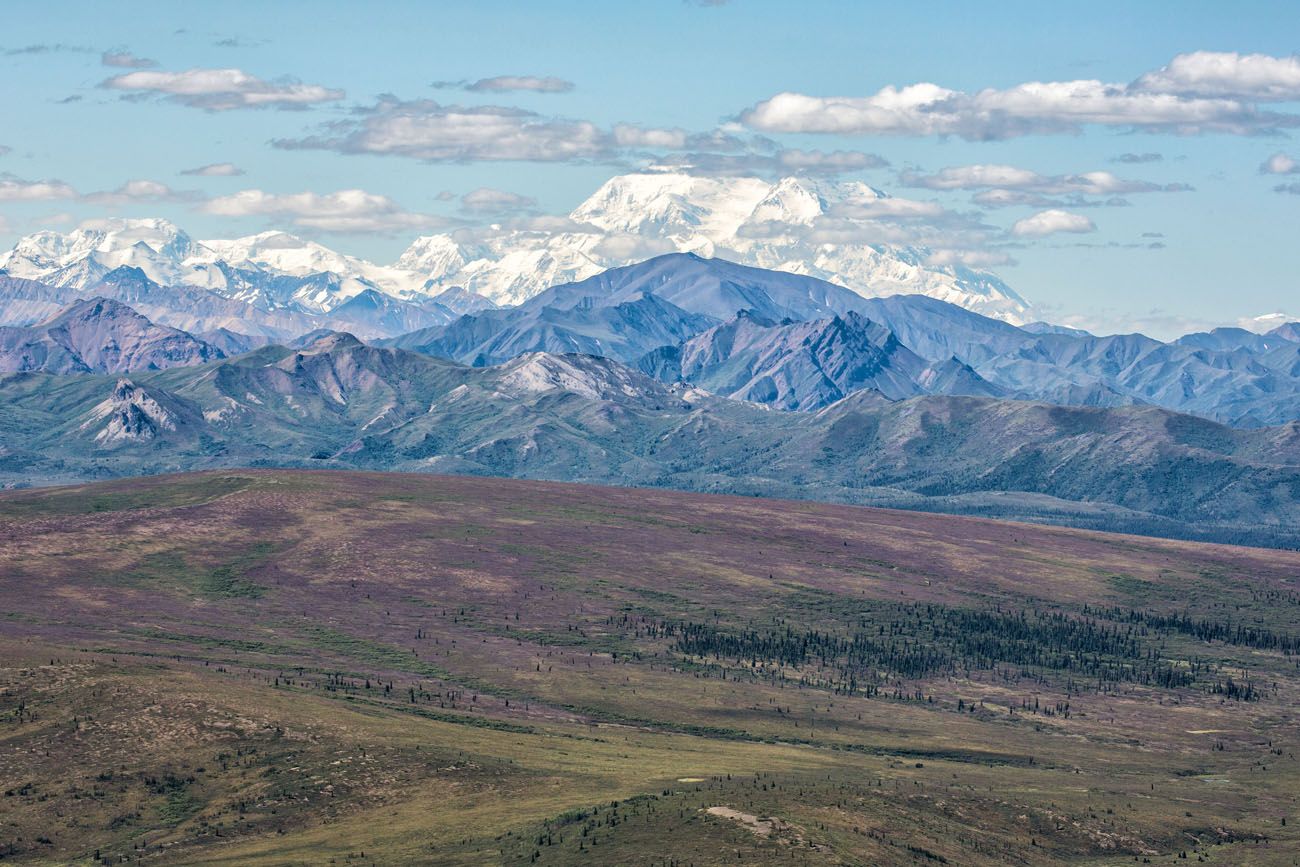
(681, 434)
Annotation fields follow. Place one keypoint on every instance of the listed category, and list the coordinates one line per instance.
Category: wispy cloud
(487, 201)
(782, 161)
(1004, 186)
(126, 60)
(222, 89)
(511, 83)
(1132, 158)
(215, 170)
(427, 130)
(46, 48)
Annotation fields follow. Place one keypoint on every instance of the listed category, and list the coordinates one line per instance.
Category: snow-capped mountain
(747, 220)
(272, 270)
(629, 219)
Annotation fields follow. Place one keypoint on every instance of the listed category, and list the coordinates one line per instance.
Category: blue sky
(1196, 233)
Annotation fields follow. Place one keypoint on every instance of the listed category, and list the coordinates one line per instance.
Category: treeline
(888, 643)
(1204, 629)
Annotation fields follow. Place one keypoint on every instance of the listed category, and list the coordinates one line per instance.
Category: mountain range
(630, 218)
(338, 402)
(681, 371)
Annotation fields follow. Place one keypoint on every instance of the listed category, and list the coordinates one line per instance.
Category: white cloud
(126, 60)
(782, 161)
(14, 189)
(18, 190)
(970, 258)
(1280, 164)
(486, 200)
(215, 170)
(1267, 322)
(426, 130)
(342, 211)
(1252, 77)
(1195, 93)
(630, 136)
(888, 207)
(222, 89)
(536, 84)
(137, 191)
(1050, 222)
(633, 247)
(1006, 186)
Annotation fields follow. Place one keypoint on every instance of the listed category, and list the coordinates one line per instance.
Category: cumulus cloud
(1280, 164)
(14, 189)
(138, 191)
(5, 150)
(126, 60)
(1200, 92)
(1292, 188)
(631, 136)
(1050, 222)
(342, 211)
(215, 170)
(427, 130)
(222, 89)
(486, 200)
(1253, 77)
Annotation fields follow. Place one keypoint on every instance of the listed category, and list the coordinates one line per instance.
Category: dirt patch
(762, 826)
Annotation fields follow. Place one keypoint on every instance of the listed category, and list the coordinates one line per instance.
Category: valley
(275, 667)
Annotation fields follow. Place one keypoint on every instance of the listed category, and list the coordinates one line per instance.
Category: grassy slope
(291, 668)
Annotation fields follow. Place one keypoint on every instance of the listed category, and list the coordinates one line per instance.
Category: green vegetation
(461, 671)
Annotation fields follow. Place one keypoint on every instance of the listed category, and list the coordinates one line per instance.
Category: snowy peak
(749, 220)
(629, 219)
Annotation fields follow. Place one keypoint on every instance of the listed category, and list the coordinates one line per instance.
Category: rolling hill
(275, 668)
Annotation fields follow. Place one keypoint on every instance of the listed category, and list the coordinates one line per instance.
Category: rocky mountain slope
(806, 365)
(99, 335)
(341, 403)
